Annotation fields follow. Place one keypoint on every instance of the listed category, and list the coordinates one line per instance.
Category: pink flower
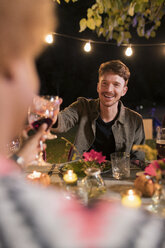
(151, 170)
(94, 156)
(156, 164)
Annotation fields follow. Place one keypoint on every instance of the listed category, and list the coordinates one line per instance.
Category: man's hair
(116, 67)
(23, 26)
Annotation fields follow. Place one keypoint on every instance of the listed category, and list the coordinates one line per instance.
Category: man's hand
(57, 111)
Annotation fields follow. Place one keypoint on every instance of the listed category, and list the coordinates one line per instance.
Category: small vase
(158, 199)
(93, 184)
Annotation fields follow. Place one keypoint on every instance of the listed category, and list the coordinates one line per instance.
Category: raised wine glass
(43, 110)
(160, 142)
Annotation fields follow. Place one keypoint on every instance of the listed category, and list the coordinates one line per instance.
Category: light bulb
(49, 38)
(128, 51)
(87, 47)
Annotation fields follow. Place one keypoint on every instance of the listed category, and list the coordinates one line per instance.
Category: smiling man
(104, 124)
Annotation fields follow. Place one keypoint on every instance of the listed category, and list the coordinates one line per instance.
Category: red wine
(38, 123)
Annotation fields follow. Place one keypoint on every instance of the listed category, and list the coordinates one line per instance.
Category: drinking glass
(120, 162)
(160, 142)
(43, 110)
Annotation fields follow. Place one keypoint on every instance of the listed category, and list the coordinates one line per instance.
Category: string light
(128, 51)
(107, 42)
(87, 47)
(49, 38)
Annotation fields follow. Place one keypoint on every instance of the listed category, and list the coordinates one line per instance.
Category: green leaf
(131, 9)
(107, 5)
(127, 35)
(91, 24)
(94, 6)
(83, 24)
(137, 8)
(100, 31)
(98, 22)
(118, 18)
(110, 35)
(120, 21)
(89, 13)
(158, 23)
(153, 34)
(120, 38)
(100, 8)
(140, 31)
(115, 35)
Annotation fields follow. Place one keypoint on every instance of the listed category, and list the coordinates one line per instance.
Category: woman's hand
(31, 147)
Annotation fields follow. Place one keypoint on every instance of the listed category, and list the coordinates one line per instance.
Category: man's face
(111, 88)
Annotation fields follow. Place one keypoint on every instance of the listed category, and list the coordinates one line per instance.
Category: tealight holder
(131, 198)
(39, 177)
(70, 177)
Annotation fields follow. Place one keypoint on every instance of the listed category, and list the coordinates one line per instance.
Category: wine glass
(43, 110)
(160, 142)
(52, 104)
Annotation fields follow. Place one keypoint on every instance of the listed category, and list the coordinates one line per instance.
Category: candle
(70, 177)
(34, 175)
(39, 177)
(131, 199)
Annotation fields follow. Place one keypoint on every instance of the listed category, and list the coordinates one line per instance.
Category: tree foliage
(115, 19)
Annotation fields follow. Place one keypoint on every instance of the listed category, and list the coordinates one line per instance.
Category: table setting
(91, 177)
(90, 181)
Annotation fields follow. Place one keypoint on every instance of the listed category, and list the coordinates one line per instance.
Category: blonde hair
(23, 25)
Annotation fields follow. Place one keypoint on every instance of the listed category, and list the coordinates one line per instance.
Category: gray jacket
(127, 130)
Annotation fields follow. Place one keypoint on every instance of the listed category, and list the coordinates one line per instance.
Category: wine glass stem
(42, 154)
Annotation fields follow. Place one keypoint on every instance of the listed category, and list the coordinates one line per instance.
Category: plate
(78, 167)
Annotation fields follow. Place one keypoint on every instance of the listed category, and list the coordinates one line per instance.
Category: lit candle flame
(34, 175)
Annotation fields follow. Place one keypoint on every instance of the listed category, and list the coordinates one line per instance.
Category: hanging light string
(105, 42)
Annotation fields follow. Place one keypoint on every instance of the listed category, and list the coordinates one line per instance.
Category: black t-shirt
(104, 141)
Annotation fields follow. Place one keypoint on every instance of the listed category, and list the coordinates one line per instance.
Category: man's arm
(68, 118)
(139, 140)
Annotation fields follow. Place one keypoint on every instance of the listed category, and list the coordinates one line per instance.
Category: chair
(148, 128)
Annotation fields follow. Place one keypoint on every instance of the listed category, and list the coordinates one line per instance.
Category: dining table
(114, 187)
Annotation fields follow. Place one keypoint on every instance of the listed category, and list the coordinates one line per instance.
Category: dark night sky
(65, 69)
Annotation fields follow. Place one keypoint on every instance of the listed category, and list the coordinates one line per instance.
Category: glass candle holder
(39, 177)
(93, 183)
(131, 198)
(70, 177)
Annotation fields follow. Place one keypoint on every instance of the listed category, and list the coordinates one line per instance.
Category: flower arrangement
(150, 187)
(86, 160)
(156, 169)
(94, 156)
(150, 153)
